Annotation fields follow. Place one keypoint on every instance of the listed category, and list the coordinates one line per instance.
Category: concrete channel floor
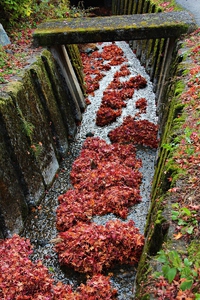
(192, 6)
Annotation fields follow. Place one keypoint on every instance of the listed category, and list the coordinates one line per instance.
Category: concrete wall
(38, 114)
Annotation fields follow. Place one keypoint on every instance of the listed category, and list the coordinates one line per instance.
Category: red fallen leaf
(110, 51)
(19, 277)
(164, 4)
(118, 60)
(81, 205)
(173, 190)
(110, 170)
(87, 101)
(80, 246)
(124, 71)
(90, 88)
(178, 236)
(106, 115)
(110, 99)
(137, 82)
(140, 132)
(114, 95)
(115, 84)
(98, 287)
(127, 93)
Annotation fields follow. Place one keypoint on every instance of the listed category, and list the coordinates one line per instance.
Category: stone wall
(39, 117)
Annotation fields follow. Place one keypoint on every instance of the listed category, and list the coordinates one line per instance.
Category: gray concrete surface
(192, 6)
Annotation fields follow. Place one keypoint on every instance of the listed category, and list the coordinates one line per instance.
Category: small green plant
(27, 126)
(170, 147)
(185, 218)
(5, 65)
(176, 267)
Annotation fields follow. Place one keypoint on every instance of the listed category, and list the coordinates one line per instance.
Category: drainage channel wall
(154, 54)
(39, 115)
(167, 62)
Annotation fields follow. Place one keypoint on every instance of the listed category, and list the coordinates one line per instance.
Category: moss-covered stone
(86, 30)
(36, 123)
(45, 92)
(27, 99)
(19, 131)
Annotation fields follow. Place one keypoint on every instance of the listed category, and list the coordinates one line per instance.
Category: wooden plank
(113, 28)
(59, 53)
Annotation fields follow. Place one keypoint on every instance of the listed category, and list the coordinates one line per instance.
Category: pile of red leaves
(115, 95)
(92, 248)
(106, 180)
(20, 278)
(117, 91)
(96, 288)
(140, 132)
(107, 115)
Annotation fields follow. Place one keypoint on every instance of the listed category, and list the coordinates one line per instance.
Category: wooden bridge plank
(113, 28)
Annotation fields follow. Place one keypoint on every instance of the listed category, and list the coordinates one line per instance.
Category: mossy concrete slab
(41, 144)
(17, 132)
(13, 206)
(113, 28)
(45, 92)
(12, 209)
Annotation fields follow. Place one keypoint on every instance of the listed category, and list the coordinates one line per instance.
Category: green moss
(194, 252)
(27, 127)
(179, 88)
(178, 109)
(172, 173)
(76, 61)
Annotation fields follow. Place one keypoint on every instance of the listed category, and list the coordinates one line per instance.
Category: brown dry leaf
(178, 236)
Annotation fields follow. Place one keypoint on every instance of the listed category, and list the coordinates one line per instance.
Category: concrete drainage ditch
(40, 228)
(37, 146)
